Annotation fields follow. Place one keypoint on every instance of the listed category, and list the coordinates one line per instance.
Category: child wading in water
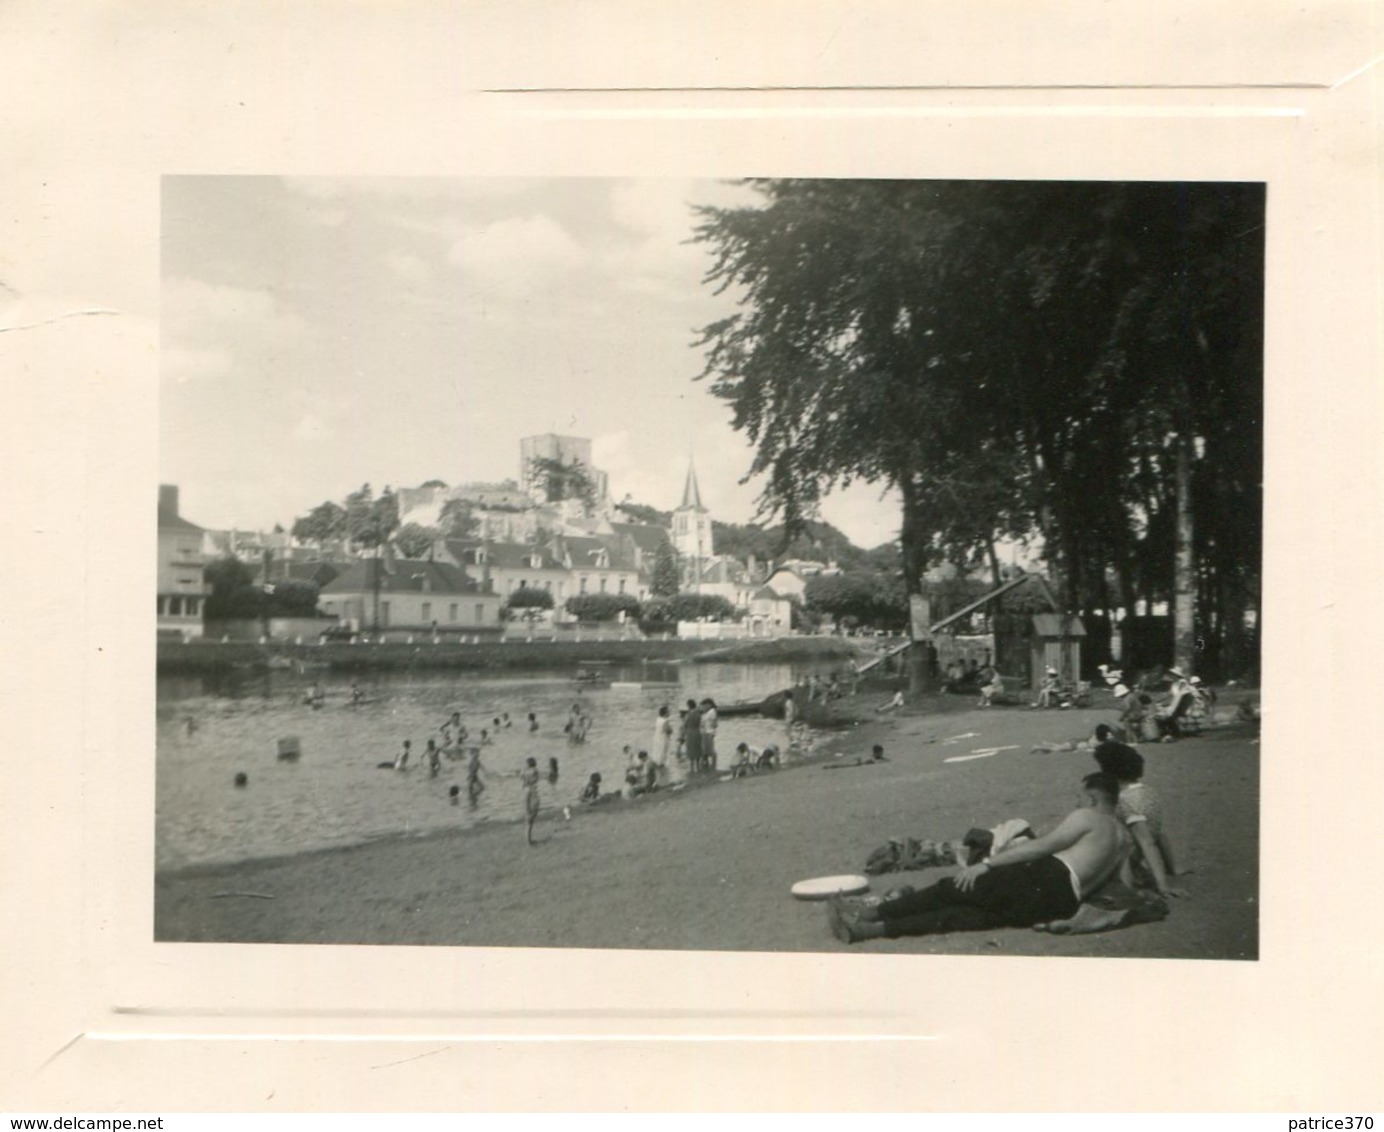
(528, 778)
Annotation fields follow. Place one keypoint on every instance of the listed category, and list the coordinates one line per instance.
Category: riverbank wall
(192, 657)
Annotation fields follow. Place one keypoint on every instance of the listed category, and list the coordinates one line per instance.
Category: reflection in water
(212, 728)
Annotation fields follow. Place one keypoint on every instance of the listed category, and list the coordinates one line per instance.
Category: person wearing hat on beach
(1047, 690)
(1170, 712)
(1132, 712)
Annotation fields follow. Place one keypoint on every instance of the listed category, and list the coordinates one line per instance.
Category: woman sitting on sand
(990, 685)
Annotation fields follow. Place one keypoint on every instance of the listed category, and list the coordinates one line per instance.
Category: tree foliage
(1017, 360)
(370, 521)
(602, 607)
(871, 599)
(665, 578)
(664, 613)
(415, 540)
(325, 523)
(528, 602)
(459, 519)
(236, 593)
(560, 480)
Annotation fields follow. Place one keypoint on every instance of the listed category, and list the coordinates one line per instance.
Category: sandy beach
(709, 868)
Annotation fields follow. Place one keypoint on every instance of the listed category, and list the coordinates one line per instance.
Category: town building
(692, 531)
(504, 567)
(181, 589)
(567, 450)
(398, 596)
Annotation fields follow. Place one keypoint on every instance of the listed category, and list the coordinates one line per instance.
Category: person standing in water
(692, 736)
(663, 743)
(528, 778)
(709, 723)
(475, 786)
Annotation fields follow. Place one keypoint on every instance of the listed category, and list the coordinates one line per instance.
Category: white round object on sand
(819, 888)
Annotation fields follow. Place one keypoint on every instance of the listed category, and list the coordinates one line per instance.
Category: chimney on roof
(168, 498)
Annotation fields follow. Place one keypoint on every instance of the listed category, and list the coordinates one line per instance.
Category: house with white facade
(181, 590)
(398, 596)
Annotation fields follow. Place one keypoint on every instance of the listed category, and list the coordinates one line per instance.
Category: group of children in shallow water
(694, 752)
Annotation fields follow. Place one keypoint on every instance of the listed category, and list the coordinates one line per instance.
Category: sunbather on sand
(1028, 882)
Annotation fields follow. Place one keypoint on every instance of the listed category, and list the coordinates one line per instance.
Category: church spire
(691, 495)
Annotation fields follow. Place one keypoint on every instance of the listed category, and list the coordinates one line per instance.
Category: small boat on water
(755, 707)
(593, 674)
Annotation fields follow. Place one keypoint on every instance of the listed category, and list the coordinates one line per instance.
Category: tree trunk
(1184, 565)
(994, 563)
(920, 656)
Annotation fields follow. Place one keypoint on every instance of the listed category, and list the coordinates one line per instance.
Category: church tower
(692, 531)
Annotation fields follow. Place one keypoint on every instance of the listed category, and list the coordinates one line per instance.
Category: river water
(209, 729)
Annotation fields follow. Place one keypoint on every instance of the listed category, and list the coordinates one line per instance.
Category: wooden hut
(1056, 643)
(1025, 643)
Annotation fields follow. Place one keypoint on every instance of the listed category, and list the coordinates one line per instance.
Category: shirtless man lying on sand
(1026, 883)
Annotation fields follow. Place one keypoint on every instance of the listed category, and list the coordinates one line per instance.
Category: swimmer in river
(356, 694)
(552, 771)
(507, 721)
(401, 760)
(533, 723)
(434, 757)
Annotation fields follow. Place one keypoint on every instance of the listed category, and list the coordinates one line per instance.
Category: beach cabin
(1027, 634)
(1055, 642)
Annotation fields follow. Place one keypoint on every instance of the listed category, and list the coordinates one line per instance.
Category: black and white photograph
(745, 565)
(706, 559)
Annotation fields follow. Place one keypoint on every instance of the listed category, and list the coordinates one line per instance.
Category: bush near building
(602, 607)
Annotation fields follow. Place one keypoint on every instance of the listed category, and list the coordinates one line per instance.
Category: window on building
(603, 585)
(427, 611)
(175, 607)
(480, 614)
(583, 584)
(452, 612)
(622, 585)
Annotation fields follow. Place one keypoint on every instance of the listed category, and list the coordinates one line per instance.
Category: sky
(321, 333)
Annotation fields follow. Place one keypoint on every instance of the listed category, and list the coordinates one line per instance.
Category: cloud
(207, 326)
(312, 428)
(520, 255)
(408, 268)
(191, 305)
(656, 257)
(406, 188)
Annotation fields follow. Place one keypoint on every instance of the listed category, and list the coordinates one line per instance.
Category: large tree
(562, 480)
(324, 524)
(415, 540)
(1075, 362)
